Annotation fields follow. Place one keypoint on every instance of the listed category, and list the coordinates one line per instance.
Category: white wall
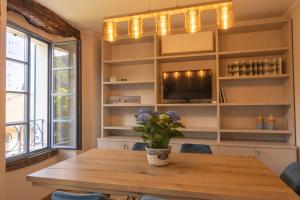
(296, 26)
(91, 83)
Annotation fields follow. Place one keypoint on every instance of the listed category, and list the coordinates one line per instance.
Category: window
(41, 100)
(64, 96)
(27, 67)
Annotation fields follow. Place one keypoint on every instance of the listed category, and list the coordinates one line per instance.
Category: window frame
(47, 149)
(78, 97)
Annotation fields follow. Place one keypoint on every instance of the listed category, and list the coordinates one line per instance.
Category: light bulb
(109, 31)
(163, 26)
(135, 27)
(193, 20)
(225, 16)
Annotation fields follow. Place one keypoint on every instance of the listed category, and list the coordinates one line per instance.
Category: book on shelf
(222, 96)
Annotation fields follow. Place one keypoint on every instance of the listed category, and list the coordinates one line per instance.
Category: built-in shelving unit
(230, 123)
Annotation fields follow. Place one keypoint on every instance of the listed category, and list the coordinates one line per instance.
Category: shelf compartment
(186, 57)
(237, 78)
(134, 73)
(128, 82)
(145, 91)
(258, 92)
(129, 50)
(187, 105)
(135, 61)
(200, 119)
(256, 131)
(252, 53)
(243, 119)
(119, 118)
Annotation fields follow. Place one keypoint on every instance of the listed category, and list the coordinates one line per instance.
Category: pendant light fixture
(110, 31)
(225, 16)
(163, 26)
(192, 20)
(135, 27)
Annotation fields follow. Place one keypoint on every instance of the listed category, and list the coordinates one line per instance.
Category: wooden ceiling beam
(43, 18)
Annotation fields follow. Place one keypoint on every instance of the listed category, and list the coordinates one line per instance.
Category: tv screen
(194, 84)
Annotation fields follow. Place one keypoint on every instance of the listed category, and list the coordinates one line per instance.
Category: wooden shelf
(199, 129)
(256, 144)
(257, 52)
(135, 61)
(173, 141)
(128, 105)
(255, 104)
(187, 57)
(256, 131)
(128, 82)
(232, 78)
(187, 129)
(187, 105)
(122, 138)
(118, 128)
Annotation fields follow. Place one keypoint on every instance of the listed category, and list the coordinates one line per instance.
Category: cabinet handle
(126, 147)
(257, 154)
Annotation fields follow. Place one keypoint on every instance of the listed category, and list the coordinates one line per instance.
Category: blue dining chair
(139, 146)
(195, 148)
(150, 198)
(291, 176)
(72, 196)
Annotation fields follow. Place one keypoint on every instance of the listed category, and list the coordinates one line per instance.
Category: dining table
(189, 176)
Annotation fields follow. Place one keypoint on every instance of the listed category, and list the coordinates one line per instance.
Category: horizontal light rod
(173, 10)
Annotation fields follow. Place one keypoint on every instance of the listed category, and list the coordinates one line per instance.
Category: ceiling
(87, 15)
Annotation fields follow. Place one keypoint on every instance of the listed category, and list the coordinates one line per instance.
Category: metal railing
(16, 137)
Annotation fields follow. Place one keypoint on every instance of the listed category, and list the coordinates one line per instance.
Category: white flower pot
(158, 157)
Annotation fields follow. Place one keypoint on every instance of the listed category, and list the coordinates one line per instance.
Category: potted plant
(157, 130)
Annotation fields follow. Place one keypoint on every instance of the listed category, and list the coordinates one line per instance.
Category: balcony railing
(16, 137)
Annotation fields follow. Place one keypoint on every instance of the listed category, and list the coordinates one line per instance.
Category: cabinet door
(117, 145)
(276, 159)
(175, 147)
(236, 151)
(214, 149)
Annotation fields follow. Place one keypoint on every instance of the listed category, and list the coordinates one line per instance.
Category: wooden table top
(189, 176)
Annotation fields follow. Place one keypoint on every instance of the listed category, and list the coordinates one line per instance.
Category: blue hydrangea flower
(143, 110)
(174, 116)
(143, 117)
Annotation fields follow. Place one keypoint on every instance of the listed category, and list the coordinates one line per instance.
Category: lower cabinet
(236, 151)
(276, 159)
(117, 145)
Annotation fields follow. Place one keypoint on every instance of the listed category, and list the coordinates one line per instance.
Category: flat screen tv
(188, 85)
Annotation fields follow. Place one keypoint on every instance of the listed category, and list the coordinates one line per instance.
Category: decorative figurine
(260, 122)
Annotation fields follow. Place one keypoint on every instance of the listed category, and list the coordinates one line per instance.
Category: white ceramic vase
(158, 157)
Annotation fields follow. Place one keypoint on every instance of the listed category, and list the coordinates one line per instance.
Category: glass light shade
(225, 17)
(135, 27)
(163, 26)
(110, 31)
(192, 21)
